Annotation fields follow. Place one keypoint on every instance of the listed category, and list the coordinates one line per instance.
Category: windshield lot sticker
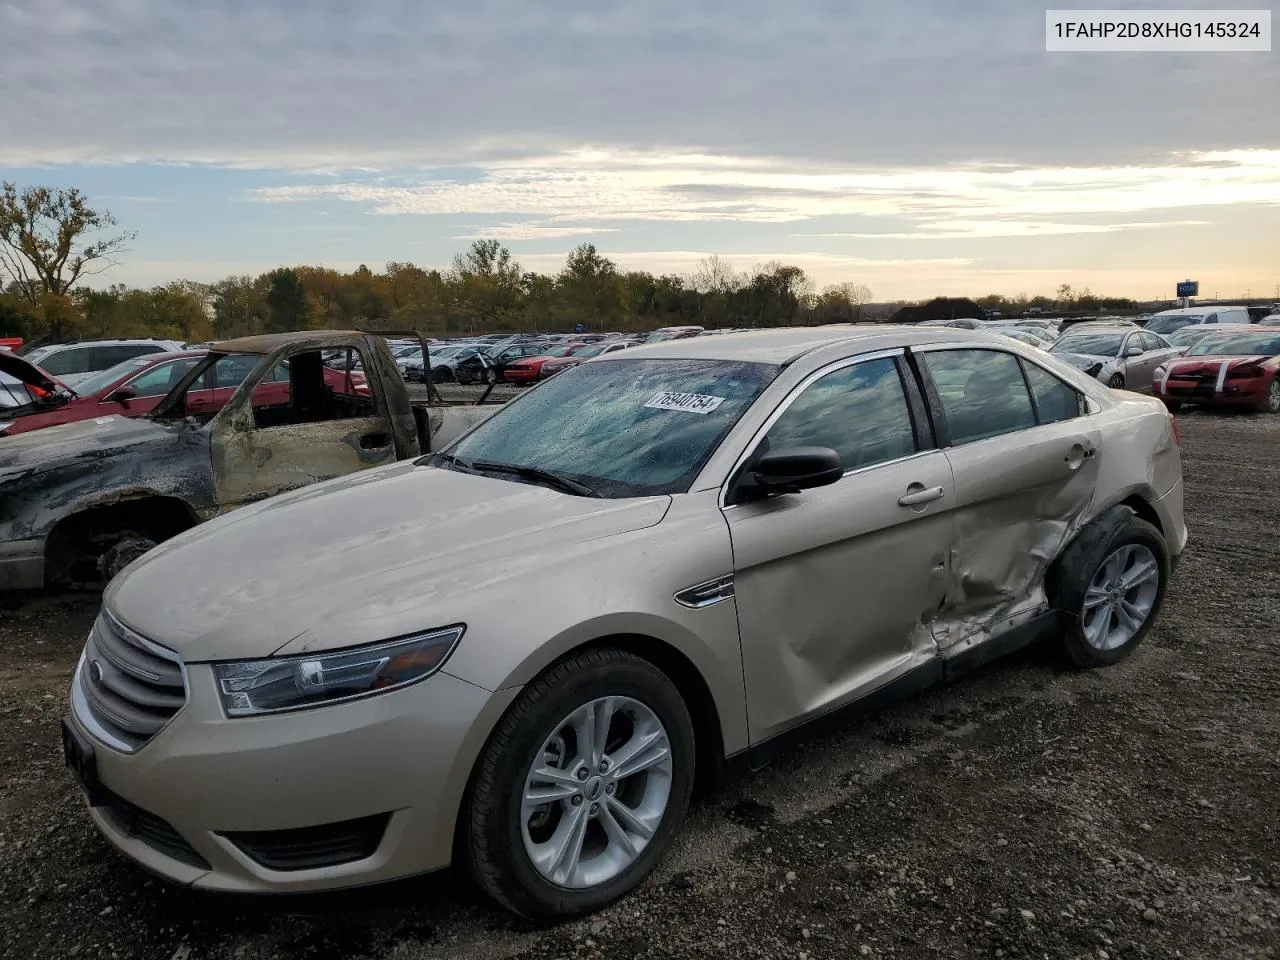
(688, 402)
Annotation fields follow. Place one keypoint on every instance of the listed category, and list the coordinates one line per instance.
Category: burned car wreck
(80, 500)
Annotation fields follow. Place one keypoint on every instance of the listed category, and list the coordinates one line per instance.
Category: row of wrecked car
(89, 481)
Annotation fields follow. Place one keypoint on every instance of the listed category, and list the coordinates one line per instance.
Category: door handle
(918, 494)
(372, 441)
(1078, 454)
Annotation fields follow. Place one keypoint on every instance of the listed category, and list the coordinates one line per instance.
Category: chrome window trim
(791, 398)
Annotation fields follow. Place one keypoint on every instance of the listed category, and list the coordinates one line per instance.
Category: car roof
(782, 345)
(1102, 328)
(266, 342)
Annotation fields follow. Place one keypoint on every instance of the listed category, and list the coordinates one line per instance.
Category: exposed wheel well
(708, 737)
(1144, 510)
(77, 541)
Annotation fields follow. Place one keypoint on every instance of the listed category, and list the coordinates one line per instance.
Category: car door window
(859, 411)
(157, 381)
(1151, 342)
(74, 360)
(983, 393)
(231, 370)
(1054, 400)
(313, 392)
(104, 357)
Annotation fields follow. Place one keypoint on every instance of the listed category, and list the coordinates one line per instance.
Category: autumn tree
(50, 238)
(488, 284)
(286, 301)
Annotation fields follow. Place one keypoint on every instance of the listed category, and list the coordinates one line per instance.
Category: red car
(1227, 369)
(131, 389)
(554, 365)
(529, 370)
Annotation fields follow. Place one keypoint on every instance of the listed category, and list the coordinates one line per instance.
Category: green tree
(49, 239)
(591, 290)
(286, 301)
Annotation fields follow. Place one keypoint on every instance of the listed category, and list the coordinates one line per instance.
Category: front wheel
(490, 376)
(1271, 402)
(582, 787)
(1116, 382)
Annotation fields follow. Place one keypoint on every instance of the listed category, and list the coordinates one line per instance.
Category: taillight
(1246, 372)
(1173, 423)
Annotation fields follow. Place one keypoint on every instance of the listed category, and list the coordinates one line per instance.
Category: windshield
(1093, 344)
(1189, 335)
(100, 381)
(624, 428)
(1172, 323)
(1239, 345)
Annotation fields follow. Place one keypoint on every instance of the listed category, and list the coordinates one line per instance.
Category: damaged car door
(277, 434)
(836, 586)
(1023, 450)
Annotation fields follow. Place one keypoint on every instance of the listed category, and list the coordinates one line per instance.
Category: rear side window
(859, 411)
(1054, 400)
(983, 393)
(104, 357)
(72, 360)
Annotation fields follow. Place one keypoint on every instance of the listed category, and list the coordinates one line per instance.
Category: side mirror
(1134, 351)
(122, 396)
(789, 470)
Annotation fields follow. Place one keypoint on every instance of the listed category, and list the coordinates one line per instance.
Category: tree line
(53, 240)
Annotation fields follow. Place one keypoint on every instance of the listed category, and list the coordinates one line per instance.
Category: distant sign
(1189, 288)
(579, 328)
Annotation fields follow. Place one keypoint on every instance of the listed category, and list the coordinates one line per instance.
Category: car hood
(100, 437)
(1214, 362)
(365, 557)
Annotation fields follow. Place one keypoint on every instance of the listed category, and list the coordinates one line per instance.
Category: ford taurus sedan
(519, 654)
(1122, 357)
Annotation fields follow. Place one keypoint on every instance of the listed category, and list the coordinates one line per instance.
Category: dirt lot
(1026, 812)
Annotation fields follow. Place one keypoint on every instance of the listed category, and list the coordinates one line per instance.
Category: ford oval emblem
(95, 671)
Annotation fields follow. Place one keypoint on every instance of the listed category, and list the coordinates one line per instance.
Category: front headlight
(1157, 373)
(1094, 369)
(254, 687)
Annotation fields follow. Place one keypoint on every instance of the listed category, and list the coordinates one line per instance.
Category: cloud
(986, 229)
(327, 84)
(532, 231)
(957, 201)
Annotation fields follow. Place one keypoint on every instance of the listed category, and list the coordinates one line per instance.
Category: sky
(921, 148)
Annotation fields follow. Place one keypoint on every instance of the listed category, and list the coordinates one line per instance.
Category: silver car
(662, 565)
(1122, 357)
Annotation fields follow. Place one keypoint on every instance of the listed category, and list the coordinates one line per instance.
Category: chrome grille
(128, 687)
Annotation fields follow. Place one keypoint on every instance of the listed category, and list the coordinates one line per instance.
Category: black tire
(1081, 563)
(1116, 382)
(122, 553)
(441, 375)
(1173, 406)
(490, 376)
(493, 839)
(1271, 402)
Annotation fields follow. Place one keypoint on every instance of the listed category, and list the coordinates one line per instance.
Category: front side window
(311, 391)
(858, 411)
(622, 427)
(158, 381)
(983, 393)
(104, 357)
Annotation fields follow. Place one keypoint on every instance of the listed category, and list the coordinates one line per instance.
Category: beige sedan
(518, 655)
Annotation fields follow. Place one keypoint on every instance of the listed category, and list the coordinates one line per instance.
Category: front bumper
(399, 761)
(1234, 393)
(21, 564)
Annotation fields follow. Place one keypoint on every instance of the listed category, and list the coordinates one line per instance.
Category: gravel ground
(1027, 811)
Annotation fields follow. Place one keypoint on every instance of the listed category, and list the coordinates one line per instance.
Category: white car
(1167, 321)
(73, 362)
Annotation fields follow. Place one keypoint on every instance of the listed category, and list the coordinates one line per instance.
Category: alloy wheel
(597, 792)
(1121, 597)
(1273, 397)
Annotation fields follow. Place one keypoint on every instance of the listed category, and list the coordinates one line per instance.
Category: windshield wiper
(545, 477)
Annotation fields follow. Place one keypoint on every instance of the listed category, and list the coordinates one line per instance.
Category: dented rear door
(1023, 449)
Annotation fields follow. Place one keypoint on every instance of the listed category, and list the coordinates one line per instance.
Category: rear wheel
(1173, 406)
(441, 375)
(490, 376)
(1271, 402)
(582, 787)
(1111, 582)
